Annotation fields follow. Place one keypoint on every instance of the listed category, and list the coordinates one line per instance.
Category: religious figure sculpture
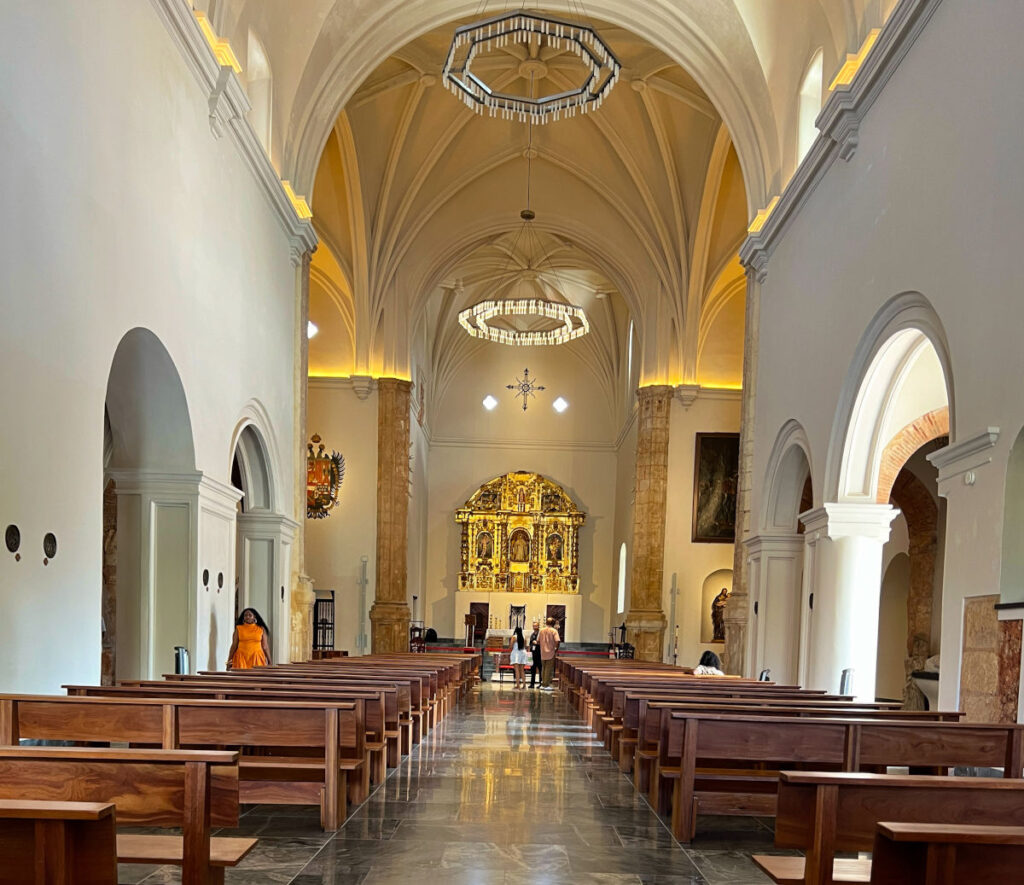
(484, 545)
(718, 615)
(554, 548)
(519, 547)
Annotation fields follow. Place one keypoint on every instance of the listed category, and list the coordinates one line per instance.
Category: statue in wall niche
(718, 615)
(484, 545)
(554, 548)
(519, 546)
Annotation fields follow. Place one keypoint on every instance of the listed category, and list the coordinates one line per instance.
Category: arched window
(260, 88)
(622, 577)
(810, 104)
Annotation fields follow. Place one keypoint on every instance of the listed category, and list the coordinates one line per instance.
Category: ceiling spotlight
(311, 329)
(490, 403)
(560, 405)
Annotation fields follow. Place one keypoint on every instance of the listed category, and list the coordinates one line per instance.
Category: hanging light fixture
(600, 66)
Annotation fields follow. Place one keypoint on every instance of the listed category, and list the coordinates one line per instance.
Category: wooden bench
(191, 790)
(726, 762)
(57, 843)
(296, 753)
(946, 854)
(825, 812)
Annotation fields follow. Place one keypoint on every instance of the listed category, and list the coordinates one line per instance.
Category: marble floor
(510, 789)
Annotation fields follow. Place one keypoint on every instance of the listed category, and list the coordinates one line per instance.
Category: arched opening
(899, 393)
(780, 608)
(892, 628)
(714, 592)
(259, 85)
(261, 547)
(809, 106)
(150, 511)
(621, 608)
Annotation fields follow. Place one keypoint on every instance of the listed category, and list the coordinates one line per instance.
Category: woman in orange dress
(249, 647)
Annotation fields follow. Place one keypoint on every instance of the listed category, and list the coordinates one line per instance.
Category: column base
(300, 645)
(389, 627)
(646, 631)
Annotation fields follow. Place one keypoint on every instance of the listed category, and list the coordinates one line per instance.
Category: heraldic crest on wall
(324, 475)
(520, 532)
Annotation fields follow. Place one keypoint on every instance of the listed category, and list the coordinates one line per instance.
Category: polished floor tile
(512, 788)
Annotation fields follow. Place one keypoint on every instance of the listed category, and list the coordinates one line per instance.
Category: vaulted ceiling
(641, 206)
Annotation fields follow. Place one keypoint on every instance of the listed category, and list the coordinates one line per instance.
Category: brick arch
(898, 450)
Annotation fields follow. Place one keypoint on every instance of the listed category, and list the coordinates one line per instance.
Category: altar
(564, 607)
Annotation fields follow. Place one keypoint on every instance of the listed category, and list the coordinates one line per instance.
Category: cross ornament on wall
(525, 387)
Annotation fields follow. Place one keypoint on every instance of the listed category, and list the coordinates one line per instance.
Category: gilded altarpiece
(520, 533)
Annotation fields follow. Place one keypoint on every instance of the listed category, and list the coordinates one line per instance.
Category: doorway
(481, 611)
(558, 613)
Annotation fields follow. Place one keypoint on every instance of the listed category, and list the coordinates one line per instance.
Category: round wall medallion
(50, 545)
(206, 576)
(13, 538)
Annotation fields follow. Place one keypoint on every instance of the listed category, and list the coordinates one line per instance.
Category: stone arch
(898, 450)
(789, 467)
(150, 427)
(252, 444)
(894, 378)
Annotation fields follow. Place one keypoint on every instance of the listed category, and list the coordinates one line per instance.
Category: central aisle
(513, 789)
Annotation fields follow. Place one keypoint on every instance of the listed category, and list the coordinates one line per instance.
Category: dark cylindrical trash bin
(180, 660)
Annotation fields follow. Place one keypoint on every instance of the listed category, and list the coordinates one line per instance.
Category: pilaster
(301, 596)
(389, 616)
(646, 621)
(738, 610)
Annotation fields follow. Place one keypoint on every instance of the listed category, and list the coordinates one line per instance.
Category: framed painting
(716, 464)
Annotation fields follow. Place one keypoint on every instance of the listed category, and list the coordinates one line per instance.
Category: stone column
(645, 623)
(389, 616)
(846, 585)
(738, 610)
(300, 606)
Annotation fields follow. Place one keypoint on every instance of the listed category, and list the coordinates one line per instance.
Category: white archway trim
(254, 414)
(789, 461)
(901, 333)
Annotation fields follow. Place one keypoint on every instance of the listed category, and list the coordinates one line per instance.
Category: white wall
(927, 206)
(711, 412)
(335, 545)
(122, 211)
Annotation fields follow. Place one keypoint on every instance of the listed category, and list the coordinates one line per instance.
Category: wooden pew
(57, 843)
(656, 722)
(824, 812)
(307, 750)
(191, 790)
(374, 700)
(946, 854)
(741, 747)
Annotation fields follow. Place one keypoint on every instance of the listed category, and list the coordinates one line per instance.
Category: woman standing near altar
(519, 657)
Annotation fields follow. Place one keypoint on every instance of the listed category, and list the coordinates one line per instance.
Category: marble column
(738, 611)
(847, 584)
(645, 623)
(389, 616)
(302, 597)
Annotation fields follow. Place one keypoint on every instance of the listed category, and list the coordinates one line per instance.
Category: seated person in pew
(709, 665)
(250, 646)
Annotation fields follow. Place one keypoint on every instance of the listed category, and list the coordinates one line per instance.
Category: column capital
(653, 391)
(768, 543)
(962, 458)
(849, 519)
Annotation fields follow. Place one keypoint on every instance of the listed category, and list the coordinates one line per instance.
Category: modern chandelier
(601, 67)
(574, 322)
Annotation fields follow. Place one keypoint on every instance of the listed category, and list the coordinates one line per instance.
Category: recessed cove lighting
(311, 329)
(490, 403)
(560, 404)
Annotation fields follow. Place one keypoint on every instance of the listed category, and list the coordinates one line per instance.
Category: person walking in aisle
(535, 652)
(518, 657)
(549, 641)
